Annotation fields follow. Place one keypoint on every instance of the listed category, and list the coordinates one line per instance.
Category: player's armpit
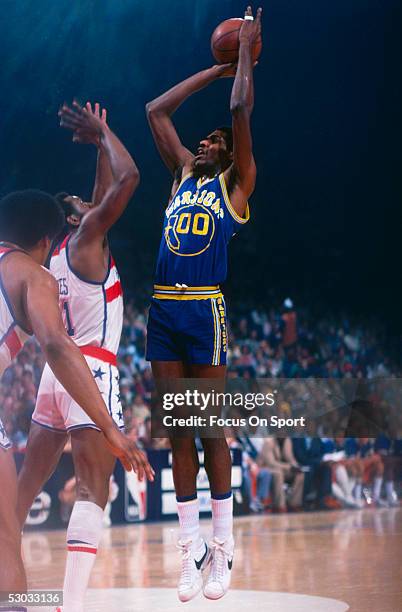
(240, 188)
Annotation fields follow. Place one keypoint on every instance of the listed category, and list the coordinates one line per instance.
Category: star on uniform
(98, 373)
(120, 415)
(118, 395)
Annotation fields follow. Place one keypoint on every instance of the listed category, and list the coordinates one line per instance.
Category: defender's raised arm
(125, 174)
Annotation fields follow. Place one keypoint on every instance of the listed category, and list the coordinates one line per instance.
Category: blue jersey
(198, 224)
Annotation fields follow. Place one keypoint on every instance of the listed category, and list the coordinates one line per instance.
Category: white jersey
(92, 311)
(12, 334)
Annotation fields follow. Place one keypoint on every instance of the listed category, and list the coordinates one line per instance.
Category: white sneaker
(194, 559)
(380, 503)
(393, 501)
(218, 581)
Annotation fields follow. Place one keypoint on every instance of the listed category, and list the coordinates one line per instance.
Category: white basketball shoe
(218, 581)
(194, 559)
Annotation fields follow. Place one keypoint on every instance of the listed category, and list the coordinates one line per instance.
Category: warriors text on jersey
(12, 334)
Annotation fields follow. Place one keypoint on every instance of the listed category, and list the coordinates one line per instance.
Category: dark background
(327, 130)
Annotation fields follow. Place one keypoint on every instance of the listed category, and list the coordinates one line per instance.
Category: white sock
(342, 479)
(83, 535)
(389, 490)
(377, 488)
(338, 492)
(352, 482)
(189, 520)
(358, 491)
(222, 518)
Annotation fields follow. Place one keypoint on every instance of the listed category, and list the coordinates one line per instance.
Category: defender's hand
(251, 28)
(83, 137)
(82, 121)
(129, 454)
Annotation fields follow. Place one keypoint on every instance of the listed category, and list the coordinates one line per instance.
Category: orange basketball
(225, 42)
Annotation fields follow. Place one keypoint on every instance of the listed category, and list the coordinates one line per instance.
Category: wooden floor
(350, 556)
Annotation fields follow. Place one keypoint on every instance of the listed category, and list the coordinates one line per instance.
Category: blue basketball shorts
(192, 331)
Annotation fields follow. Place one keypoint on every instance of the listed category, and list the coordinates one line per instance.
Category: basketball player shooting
(92, 305)
(187, 335)
(29, 304)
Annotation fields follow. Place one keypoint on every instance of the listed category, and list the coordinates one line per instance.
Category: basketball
(225, 42)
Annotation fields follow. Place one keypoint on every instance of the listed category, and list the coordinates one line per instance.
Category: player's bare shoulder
(20, 273)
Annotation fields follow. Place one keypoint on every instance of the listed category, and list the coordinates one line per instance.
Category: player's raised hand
(86, 124)
(129, 454)
(251, 28)
(83, 137)
(226, 70)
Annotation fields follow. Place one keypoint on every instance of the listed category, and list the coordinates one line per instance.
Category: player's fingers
(141, 465)
(258, 16)
(248, 11)
(66, 111)
(97, 107)
(132, 455)
(77, 106)
(149, 472)
(67, 118)
(147, 469)
(104, 115)
(69, 125)
(126, 464)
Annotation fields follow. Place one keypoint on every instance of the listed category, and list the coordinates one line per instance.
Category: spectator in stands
(372, 467)
(289, 321)
(390, 452)
(346, 472)
(318, 479)
(253, 472)
(277, 456)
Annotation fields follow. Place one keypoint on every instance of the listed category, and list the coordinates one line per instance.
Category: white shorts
(4, 441)
(55, 409)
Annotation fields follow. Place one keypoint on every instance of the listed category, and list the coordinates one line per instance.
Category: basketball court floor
(308, 562)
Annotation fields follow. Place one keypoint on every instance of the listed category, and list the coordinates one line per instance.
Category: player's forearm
(121, 165)
(71, 369)
(103, 178)
(168, 102)
(242, 99)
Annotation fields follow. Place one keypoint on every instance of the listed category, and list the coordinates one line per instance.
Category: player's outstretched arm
(241, 107)
(41, 297)
(103, 176)
(159, 113)
(125, 175)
